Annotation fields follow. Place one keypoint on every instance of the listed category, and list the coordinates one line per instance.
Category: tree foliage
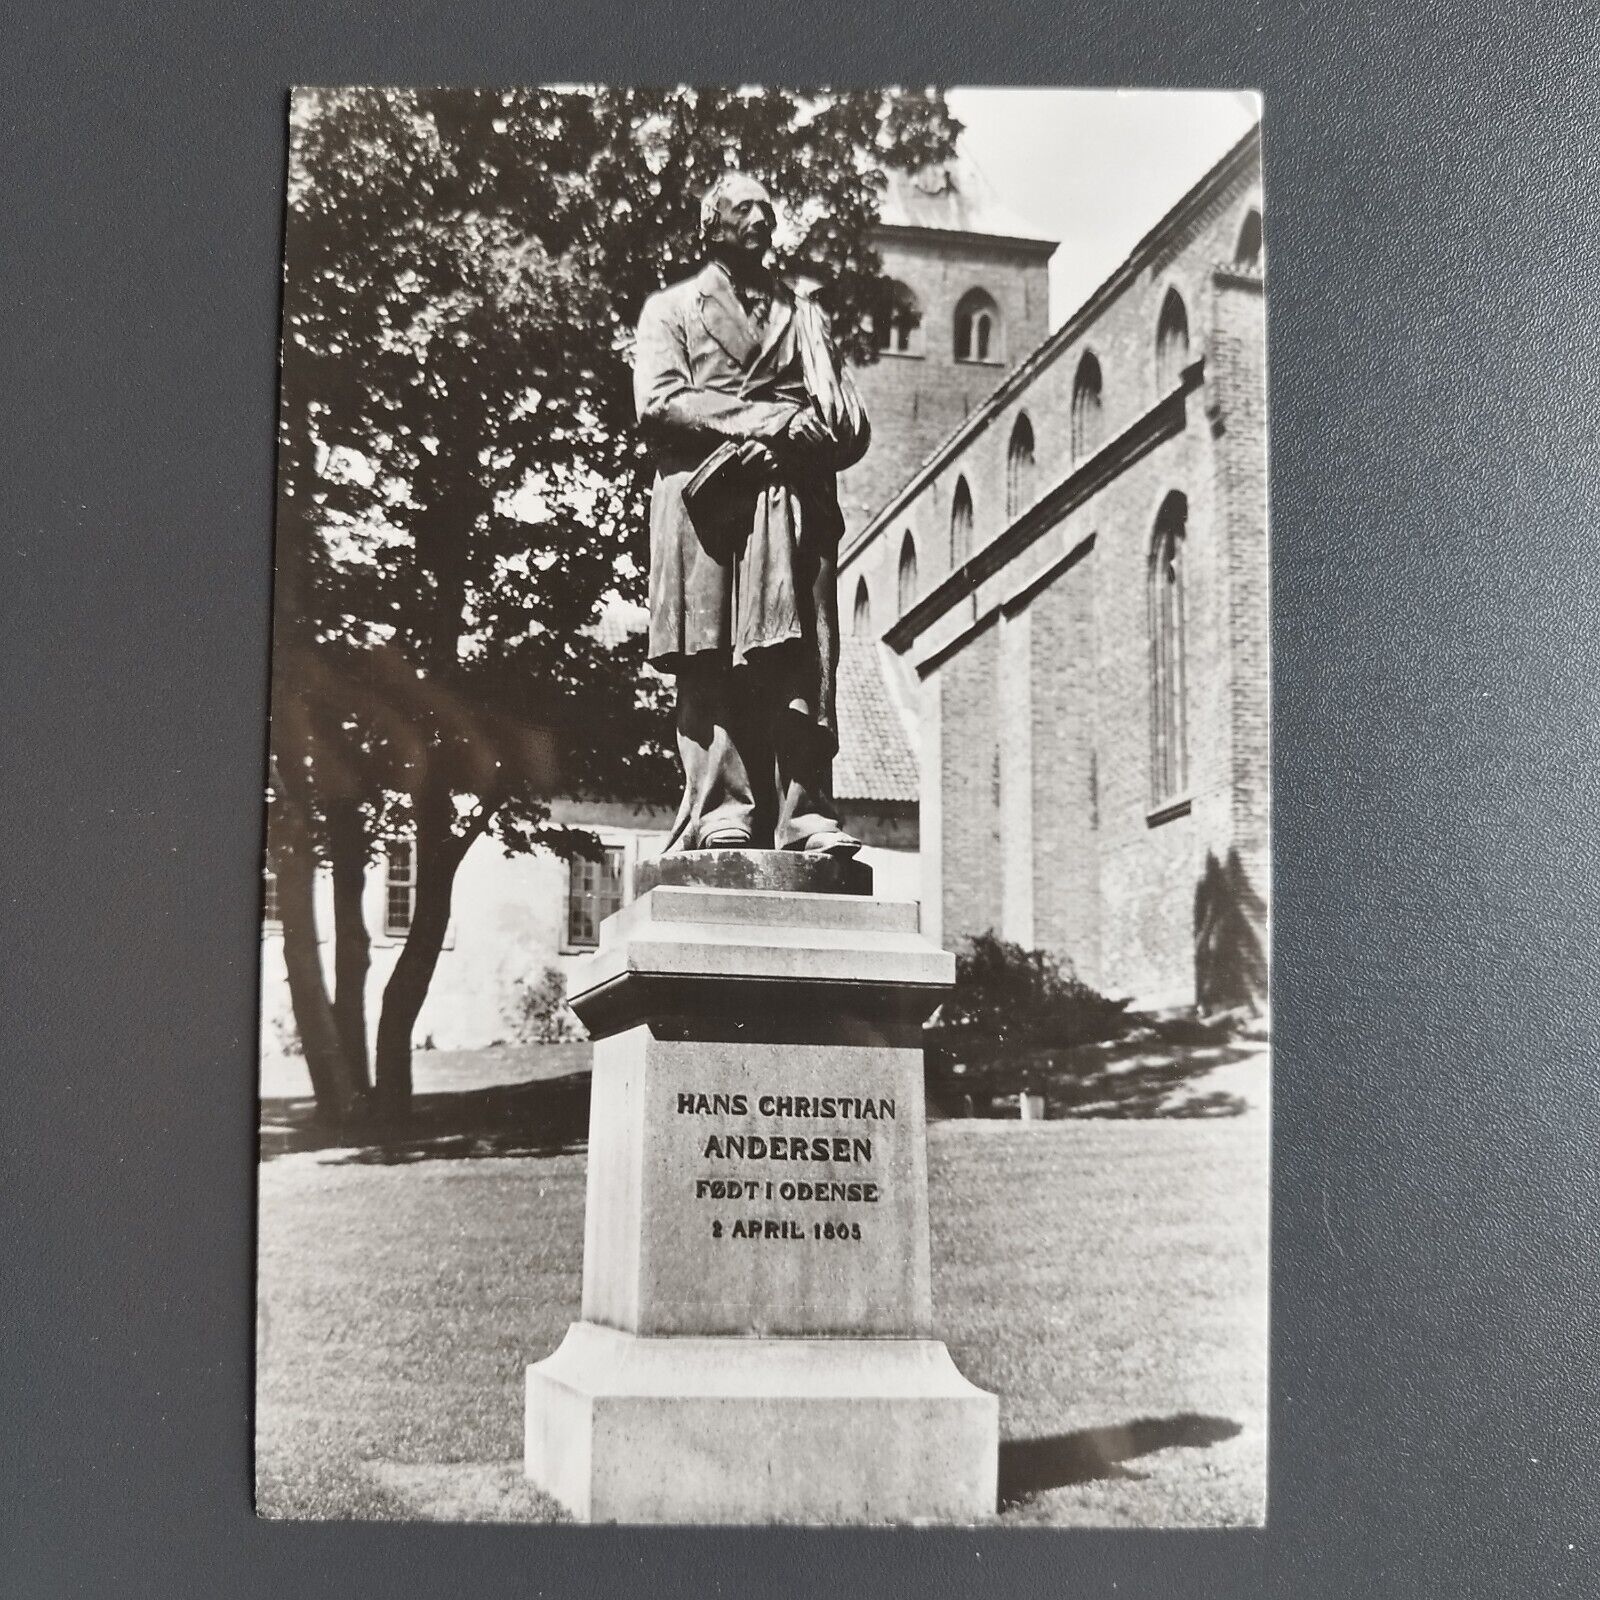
(461, 488)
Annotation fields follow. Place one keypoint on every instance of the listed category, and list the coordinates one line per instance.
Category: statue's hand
(754, 456)
(809, 431)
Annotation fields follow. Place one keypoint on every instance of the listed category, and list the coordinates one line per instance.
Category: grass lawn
(1107, 1278)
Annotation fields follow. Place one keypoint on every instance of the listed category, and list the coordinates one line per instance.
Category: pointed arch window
(977, 328)
(906, 588)
(1169, 668)
(1019, 468)
(1247, 253)
(861, 615)
(1087, 412)
(1172, 341)
(960, 524)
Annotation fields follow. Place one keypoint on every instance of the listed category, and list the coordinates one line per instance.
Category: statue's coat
(705, 374)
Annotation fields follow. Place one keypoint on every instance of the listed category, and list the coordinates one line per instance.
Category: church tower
(978, 279)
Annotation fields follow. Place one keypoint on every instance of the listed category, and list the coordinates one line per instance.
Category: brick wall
(1118, 886)
(1066, 862)
(915, 401)
(969, 839)
(1240, 384)
(1014, 701)
(1242, 880)
(1150, 863)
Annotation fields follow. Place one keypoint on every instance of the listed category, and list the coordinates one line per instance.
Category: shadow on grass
(1031, 1466)
(544, 1117)
(1129, 1079)
(1135, 1077)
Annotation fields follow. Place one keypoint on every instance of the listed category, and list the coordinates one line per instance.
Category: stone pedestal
(756, 1342)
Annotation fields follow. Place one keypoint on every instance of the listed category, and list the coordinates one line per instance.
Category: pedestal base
(623, 1428)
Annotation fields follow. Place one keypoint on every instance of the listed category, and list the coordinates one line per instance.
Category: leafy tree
(461, 485)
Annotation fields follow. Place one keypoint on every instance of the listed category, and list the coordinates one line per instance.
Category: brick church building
(1053, 692)
(1067, 588)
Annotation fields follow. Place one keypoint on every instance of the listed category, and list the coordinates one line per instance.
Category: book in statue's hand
(720, 496)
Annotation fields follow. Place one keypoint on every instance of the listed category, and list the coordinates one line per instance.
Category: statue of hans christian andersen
(708, 1380)
(749, 415)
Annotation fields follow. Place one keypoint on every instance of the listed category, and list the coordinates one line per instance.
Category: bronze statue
(749, 415)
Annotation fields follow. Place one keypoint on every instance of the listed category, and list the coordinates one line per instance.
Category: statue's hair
(709, 200)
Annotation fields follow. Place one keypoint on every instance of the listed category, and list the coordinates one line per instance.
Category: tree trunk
(347, 852)
(438, 854)
(332, 1080)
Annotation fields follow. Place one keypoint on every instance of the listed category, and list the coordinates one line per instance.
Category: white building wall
(508, 924)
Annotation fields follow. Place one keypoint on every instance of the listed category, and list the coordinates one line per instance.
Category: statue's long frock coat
(705, 374)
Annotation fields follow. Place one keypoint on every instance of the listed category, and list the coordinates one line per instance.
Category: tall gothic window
(896, 321)
(271, 914)
(1087, 415)
(960, 524)
(1172, 341)
(594, 891)
(977, 328)
(861, 617)
(906, 592)
(1169, 722)
(400, 889)
(1247, 253)
(1019, 467)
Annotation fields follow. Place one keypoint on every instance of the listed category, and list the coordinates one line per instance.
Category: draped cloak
(703, 374)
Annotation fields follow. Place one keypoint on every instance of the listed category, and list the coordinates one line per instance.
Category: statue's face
(744, 216)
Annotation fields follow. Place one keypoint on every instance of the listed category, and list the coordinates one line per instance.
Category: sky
(1096, 168)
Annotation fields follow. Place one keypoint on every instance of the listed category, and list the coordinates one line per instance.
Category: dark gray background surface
(1433, 241)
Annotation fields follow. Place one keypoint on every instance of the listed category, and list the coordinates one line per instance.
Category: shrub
(539, 1013)
(1008, 1005)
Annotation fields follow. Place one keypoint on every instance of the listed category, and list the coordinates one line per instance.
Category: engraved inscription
(861, 1125)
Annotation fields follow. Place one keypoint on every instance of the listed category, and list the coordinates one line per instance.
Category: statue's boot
(833, 843)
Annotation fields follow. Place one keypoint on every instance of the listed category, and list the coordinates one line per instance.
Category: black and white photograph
(764, 969)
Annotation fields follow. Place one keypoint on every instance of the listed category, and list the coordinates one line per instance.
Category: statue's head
(737, 216)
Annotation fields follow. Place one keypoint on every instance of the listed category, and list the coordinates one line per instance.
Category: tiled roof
(875, 760)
